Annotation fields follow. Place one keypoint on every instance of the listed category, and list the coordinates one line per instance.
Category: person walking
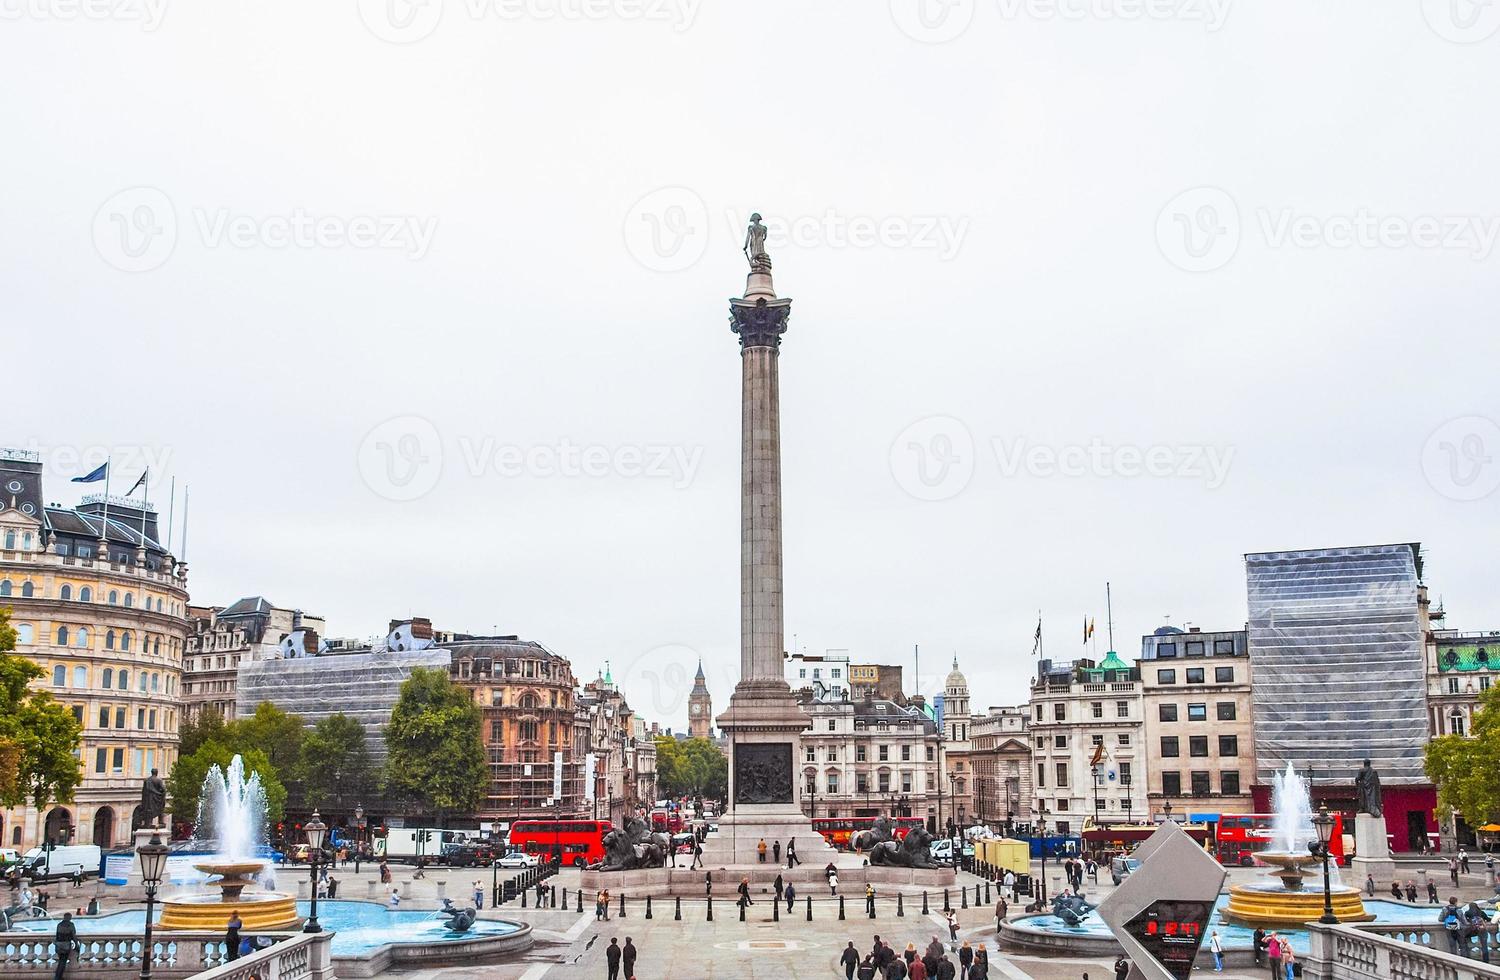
(232, 936)
(916, 969)
(478, 895)
(1370, 885)
(1453, 870)
(982, 960)
(866, 968)
(1396, 890)
(833, 883)
(952, 925)
(1001, 909)
(1477, 923)
(1411, 890)
(612, 954)
(1258, 945)
(1463, 860)
(697, 855)
(791, 896)
(776, 853)
(1452, 919)
(791, 853)
(869, 900)
(849, 959)
(628, 955)
(1273, 954)
(1432, 892)
(63, 941)
(779, 886)
(1217, 948)
(393, 900)
(760, 851)
(1289, 961)
(744, 891)
(965, 958)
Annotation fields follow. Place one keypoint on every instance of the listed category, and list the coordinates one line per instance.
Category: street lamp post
(1095, 770)
(315, 830)
(153, 858)
(952, 823)
(1324, 823)
(1041, 829)
(1167, 808)
(359, 833)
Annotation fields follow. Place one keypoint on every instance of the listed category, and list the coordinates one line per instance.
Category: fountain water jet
(1289, 903)
(232, 821)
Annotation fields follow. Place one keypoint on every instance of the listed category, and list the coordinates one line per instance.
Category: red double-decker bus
(1241, 835)
(842, 831)
(574, 842)
(666, 821)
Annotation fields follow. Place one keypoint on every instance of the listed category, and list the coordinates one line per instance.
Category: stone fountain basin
(231, 868)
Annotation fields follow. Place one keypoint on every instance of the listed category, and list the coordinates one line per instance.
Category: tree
(335, 762)
(275, 732)
(37, 735)
(207, 727)
(1467, 770)
(185, 784)
(436, 753)
(694, 767)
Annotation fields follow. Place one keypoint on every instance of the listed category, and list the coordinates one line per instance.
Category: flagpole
(171, 510)
(1109, 615)
(145, 503)
(104, 527)
(187, 496)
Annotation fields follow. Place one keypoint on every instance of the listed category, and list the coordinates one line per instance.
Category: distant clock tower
(700, 710)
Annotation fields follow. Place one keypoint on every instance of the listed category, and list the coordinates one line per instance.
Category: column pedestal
(1372, 852)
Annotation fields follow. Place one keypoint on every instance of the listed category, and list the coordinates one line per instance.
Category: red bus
(1242, 834)
(841, 831)
(666, 821)
(575, 842)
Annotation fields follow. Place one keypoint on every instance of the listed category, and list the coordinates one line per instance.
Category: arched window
(24, 633)
(109, 676)
(129, 600)
(143, 682)
(26, 541)
(109, 642)
(124, 684)
(80, 676)
(156, 647)
(62, 636)
(125, 641)
(85, 594)
(5, 586)
(155, 682)
(82, 639)
(59, 676)
(114, 597)
(66, 592)
(27, 590)
(528, 702)
(10, 540)
(1456, 723)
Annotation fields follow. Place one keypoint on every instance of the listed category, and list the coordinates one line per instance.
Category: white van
(62, 862)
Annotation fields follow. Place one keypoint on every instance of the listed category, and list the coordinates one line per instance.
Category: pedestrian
(791, 853)
(833, 883)
(393, 900)
(1370, 885)
(1258, 944)
(895, 969)
(697, 855)
(916, 969)
(1453, 870)
(478, 895)
(760, 851)
(1452, 919)
(952, 925)
(629, 955)
(333, 887)
(1000, 912)
(1122, 968)
(1217, 948)
(776, 853)
(1273, 954)
(869, 900)
(1477, 923)
(1432, 892)
(1396, 890)
(965, 957)
(385, 872)
(1463, 860)
(1009, 887)
(779, 886)
(612, 954)
(605, 898)
(1411, 890)
(1289, 961)
(866, 968)
(945, 970)
(982, 960)
(791, 896)
(62, 941)
(744, 891)
(849, 959)
(232, 936)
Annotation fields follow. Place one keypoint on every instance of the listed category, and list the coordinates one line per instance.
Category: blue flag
(93, 477)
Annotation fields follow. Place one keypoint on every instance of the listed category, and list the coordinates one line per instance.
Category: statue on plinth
(633, 847)
(1367, 789)
(153, 800)
(884, 849)
(459, 919)
(1072, 909)
(755, 245)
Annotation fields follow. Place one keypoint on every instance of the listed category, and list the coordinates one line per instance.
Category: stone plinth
(810, 881)
(1372, 852)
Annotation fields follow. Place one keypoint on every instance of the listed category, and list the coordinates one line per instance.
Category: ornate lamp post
(952, 814)
(359, 833)
(1324, 823)
(315, 830)
(1167, 809)
(153, 858)
(1041, 830)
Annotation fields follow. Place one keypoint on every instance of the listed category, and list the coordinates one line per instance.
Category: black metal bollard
(776, 910)
(870, 907)
(946, 904)
(648, 906)
(924, 903)
(622, 905)
(742, 910)
(565, 896)
(710, 908)
(963, 900)
(900, 908)
(677, 909)
(524, 891)
(841, 908)
(809, 908)
(987, 893)
(580, 899)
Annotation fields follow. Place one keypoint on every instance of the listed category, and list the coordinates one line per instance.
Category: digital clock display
(1172, 931)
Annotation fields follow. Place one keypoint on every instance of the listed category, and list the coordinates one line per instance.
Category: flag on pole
(1036, 639)
(138, 483)
(95, 476)
(1088, 629)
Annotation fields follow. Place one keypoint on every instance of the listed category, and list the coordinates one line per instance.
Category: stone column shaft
(761, 632)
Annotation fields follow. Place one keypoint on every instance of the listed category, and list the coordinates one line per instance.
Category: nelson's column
(763, 721)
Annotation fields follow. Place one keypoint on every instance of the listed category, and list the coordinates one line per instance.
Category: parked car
(62, 861)
(518, 859)
(468, 855)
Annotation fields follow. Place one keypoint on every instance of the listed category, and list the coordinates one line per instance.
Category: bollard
(622, 905)
(900, 908)
(648, 906)
(580, 899)
(987, 893)
(809, 908)
(524, 892)
(742, 910)
(963, 896)
(841, 908)
(565, 896)
(710, 908)
(870, 907)
(677, 911)
(776, 911)
(924, 903)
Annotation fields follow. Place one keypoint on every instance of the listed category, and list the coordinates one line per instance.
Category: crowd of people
(883, 962)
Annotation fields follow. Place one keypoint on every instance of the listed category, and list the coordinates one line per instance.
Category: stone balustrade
(1394, 952)
(293, 956)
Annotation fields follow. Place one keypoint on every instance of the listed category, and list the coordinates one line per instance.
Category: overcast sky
(428, 306)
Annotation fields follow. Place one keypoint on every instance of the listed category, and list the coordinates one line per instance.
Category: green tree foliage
(37, 735)
(275, 732)
(207, 727)
(1467, 770)
(436, 753)
(694, 768)
(335, 770)
(185, 784)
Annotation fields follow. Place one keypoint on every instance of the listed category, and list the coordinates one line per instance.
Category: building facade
(1086, 730)
(876, 681)
(1199, 722)
(98, 602)
(1461, 666)
(871, 756)
(824, 677)
(617, 748)
(223, 637)
(1000, 757)
(957, 748)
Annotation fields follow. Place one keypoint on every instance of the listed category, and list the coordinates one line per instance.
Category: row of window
(117, 680)
(112, 761)
(1200, 783)
(1194, 648)
(113, 716)
(1061, 741)
(1062, 772)
(1223, 711)
(80, 637)
(11, 539)
(1171, 746)
(27, 590)
(1195, 675)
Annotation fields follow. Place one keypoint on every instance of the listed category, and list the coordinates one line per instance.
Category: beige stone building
(867, 757)
(101, 606)
(1199, 714)
(223, 637)
(1000, 757)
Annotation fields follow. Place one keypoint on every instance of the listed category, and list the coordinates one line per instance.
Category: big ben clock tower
(700, 710)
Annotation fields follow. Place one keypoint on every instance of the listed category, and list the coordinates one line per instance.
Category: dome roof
(956, 677)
